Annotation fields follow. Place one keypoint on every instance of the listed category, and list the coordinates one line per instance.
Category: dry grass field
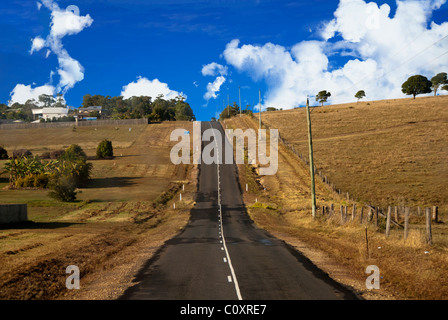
(116, 224)
(409, 269)
(390, 152)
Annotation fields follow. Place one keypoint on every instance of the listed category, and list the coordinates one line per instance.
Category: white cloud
(63, 22)
(66, 22)
(37, 44)
(70, 71)
(22, 93)
(213, 88)
(213, 69)
(150, 88)
(383, 51)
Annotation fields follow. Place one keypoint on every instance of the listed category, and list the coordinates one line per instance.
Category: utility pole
(259, 109)
(310, 143)
(228, 106)
(239, 94)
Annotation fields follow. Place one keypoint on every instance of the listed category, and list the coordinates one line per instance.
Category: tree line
(231, 111)
(141, 107)
(112, 108)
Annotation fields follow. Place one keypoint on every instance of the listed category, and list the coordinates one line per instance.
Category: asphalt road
(222, 255)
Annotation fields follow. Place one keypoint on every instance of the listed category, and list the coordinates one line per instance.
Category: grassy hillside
(390, 152)
(353, 146)
(123, 215)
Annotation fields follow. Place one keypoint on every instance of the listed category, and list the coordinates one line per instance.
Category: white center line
(229, 278)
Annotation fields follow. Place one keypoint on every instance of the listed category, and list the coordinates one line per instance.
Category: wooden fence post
(406, 223)
(361, 215)
(376, 216)
(389, 211)
(428, 226)
(354, 211)
(435, 214)
(332, 209)
(367, 246)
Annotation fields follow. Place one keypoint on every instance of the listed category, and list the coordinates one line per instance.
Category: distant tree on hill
(230, 111)
(416, 85)
(439, 80)
(323, 96)
(360, 94)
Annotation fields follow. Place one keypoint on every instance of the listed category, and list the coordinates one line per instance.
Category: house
(49, 113)
(89, 113)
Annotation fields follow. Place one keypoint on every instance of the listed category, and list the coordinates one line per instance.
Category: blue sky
(286, 49)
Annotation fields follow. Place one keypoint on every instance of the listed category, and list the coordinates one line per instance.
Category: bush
(25, 182)
(56, 154)
(40, 181)
(3, 153)
(63, 188)
(45, 155)
(74, 152)
(20, 153)
(105, 149)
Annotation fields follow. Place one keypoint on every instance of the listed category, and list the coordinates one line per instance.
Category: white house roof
(50, 111)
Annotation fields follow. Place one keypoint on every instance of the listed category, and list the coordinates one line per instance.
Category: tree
(60, 101)
(64, 189)
(104, 149)
(3, 153)
(47, 100)
(322, 96)
(416, 85)
(438, 80)
(74, 153)
(230, 111)
(360, 94)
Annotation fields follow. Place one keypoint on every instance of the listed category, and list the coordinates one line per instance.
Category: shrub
(104, 149)
(3, 153)
(45, 155)
(40, 181)
(63, 188)
(20, 153)
(56, 154)
(25, 182)
(74, 152)
(19, 183)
